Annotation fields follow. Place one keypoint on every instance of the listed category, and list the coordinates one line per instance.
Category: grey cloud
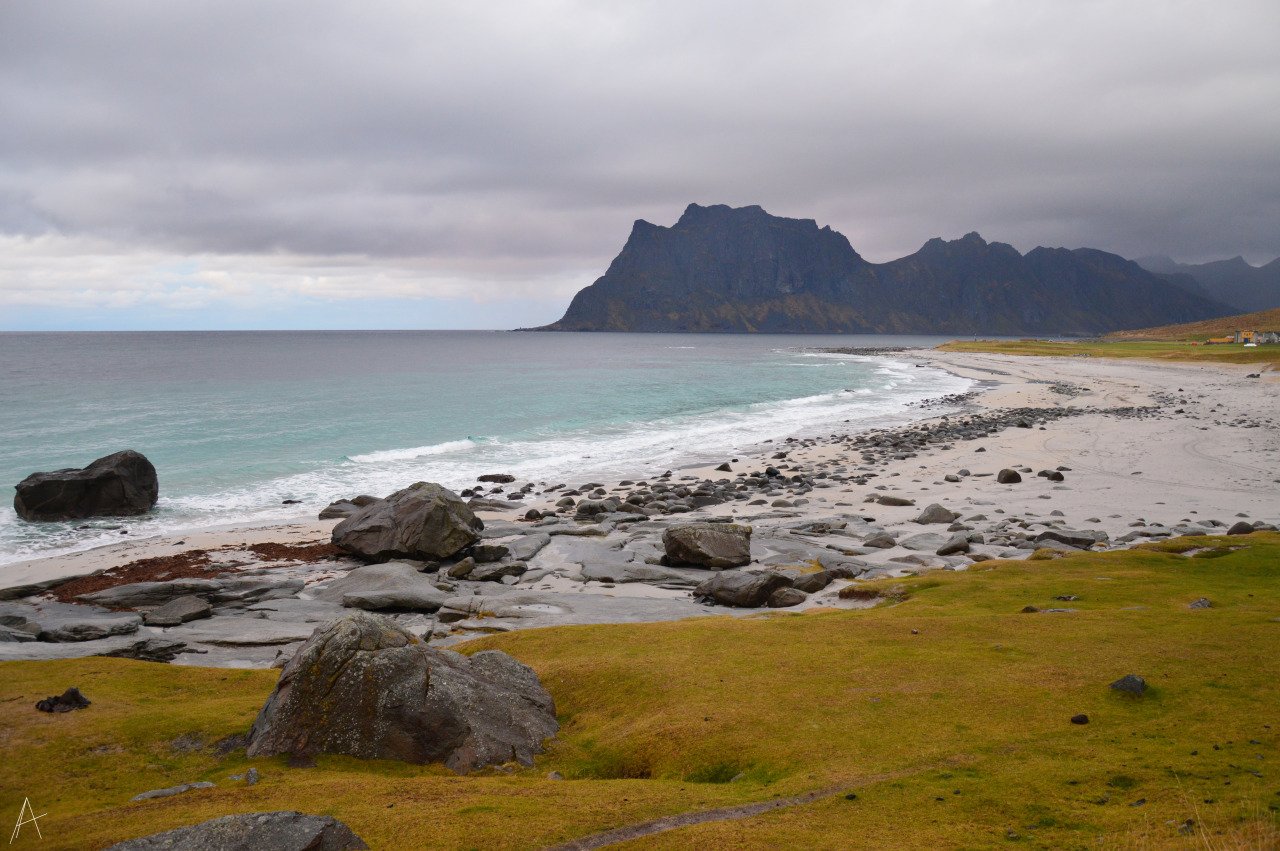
(502, 140)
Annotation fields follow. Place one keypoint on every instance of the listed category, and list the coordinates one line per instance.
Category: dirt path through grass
(741, 811)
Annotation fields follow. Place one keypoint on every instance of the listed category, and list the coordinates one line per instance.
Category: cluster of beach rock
(796, 527)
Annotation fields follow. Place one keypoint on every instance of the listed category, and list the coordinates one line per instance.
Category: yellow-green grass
(952, 693)
(1152, 350)
(1262, 320)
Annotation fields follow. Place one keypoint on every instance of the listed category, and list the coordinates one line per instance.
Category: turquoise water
(236, 422)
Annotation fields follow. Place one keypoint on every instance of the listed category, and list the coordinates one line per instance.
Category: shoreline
(1145, 450)
(697, 458)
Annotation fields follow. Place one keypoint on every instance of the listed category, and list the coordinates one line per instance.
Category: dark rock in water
(278, 831)
(1008, 477)
(149, 650)
(366, 687)
(118, 485)
(785, 598)
(935, 513)
(713, 545)
(178, 610)
(423, 521)
(743, 589)
(496, 478)
(1130, 684)
(1240, 527)
(65, 702)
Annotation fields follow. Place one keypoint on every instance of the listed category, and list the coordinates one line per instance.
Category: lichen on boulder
(366, 687)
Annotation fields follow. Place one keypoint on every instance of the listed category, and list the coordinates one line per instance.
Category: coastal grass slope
(1166, 350)
(941, 717)
(1262, 320)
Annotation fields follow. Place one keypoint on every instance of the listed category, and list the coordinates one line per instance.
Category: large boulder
(714, 545)
(279, 831)
(366, 687)
(118, 485)
(743, 589)
(424, 521)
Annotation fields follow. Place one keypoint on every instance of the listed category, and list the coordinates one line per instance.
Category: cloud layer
(216, 156)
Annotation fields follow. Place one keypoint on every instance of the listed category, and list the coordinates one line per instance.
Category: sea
(238, 422)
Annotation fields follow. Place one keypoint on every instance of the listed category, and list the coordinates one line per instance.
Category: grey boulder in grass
(366, 687)
(279, 831)
(714, 545)
(424, 521)
(117, 485)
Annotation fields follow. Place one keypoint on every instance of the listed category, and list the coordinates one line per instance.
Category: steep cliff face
(743, 270)
(1234, 281)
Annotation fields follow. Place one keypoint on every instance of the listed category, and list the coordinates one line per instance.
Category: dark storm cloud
(516, 142)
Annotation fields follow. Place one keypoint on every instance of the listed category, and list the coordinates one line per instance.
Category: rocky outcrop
(743, 270)
(366, 687)
(118, 485)
(179, 610)
(424, 521)
(714, 545)
(395, 585)
(743, 589)
(279, 831)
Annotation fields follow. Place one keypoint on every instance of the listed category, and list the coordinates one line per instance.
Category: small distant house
(1256, 337)
(1218, 340)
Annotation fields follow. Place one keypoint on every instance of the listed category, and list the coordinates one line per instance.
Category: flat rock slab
(65, 622)
(278, 831)
(179, 610)
(235, 631)
(230, 590)
(170, 791)
(637, 571)
(925, 541)
(393, 585)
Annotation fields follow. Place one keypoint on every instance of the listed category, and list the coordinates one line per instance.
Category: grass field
(1153, 350)
(1263, 320)
(942, 721)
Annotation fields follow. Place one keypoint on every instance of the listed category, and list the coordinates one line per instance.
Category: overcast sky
(473, 164)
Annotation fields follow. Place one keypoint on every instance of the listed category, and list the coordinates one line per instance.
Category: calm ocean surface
(235, 422)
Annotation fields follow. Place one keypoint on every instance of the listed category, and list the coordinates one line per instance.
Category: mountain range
(1235, 282)
(725, 269)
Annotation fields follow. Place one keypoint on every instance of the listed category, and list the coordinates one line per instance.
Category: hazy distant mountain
(1233, 281)
(734, 270)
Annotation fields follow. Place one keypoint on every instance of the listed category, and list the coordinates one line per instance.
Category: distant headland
(742, 270)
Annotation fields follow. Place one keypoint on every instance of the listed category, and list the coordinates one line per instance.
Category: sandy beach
(1137, 450)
